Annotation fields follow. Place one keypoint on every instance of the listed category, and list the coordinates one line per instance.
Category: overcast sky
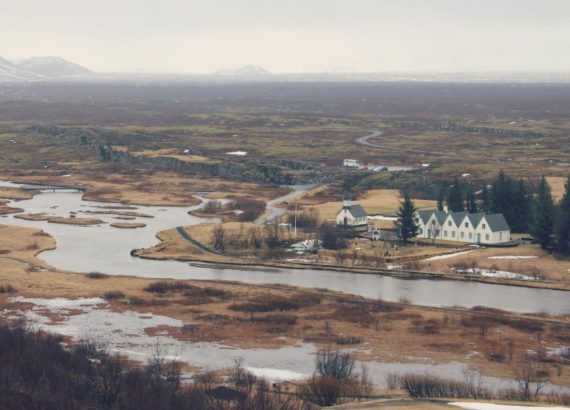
(190, 36)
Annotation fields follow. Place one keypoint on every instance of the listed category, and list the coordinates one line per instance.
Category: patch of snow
(62, 304)
(276, 375)
(391, 267)
(492, 406)
(300, 259)
(383, 218)
(465, 175)
(447, 256)
(425, 165)
(488, 273)
(513, 257)
(238, 153)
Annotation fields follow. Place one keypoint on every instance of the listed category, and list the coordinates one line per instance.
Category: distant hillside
(54, 67)
(245, 71)
(10, 72)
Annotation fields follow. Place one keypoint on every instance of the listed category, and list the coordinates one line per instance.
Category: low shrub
(427, 386)
(216, 293)
(113, 294)
(190, 328)
(7, 289)
(278, 319)
(166, 286)
(348, 340)
(97, 275)
(196, 300)
(355, 314)
(383, 306)
(429, 327)
(266, 304)
(134, 300)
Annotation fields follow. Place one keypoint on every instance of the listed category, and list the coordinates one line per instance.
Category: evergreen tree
(441, 198)
(520, 210)
(455, 196)
(406, 223)
(470, 203)
(543, 224)
(502, 196)
(485, 199)
(563, 222)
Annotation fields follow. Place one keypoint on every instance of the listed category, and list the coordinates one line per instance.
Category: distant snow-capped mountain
(245, 71)
(54, 67)
(10, 72)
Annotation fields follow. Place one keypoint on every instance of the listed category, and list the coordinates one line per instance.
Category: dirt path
(376, 133)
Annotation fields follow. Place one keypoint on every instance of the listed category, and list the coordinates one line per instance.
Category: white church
(481, 228)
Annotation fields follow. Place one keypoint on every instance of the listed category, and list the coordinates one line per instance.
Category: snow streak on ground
(492, 406)
(489, 273)
(512, 257)
(449, 255)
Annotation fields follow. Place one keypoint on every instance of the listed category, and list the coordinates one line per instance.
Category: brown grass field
(375, 201)
(557, 186)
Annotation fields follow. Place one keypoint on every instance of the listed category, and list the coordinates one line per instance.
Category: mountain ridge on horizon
(52, 68)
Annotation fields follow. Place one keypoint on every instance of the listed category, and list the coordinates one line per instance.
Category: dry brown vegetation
(128, 225)
(141, 187)
(72, 220)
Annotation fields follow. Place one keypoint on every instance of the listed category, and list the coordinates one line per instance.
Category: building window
(445, 233)
(484, 226)
(453, 234)
(449, 223)
(467, 224)
(470, 235)
(462, 235)
(487, 236)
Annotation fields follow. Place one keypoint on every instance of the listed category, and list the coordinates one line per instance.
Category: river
(106, 249)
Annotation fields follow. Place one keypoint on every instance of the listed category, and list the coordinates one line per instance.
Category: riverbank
(248, 316)
(173, 246)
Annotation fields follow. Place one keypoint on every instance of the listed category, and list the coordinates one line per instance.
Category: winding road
(375, 133)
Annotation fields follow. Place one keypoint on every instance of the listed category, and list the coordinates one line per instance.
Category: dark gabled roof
(425, 215)
(476, 218)
(497, 222)
(357, 211)
(457, 217)
(440, 216)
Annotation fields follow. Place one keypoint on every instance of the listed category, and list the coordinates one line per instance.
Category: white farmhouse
(493, 229)
(352, 217)
(463, 227)
(430, 224)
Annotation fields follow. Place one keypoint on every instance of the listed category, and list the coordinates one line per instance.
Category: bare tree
(219, 238)
(335, 364)
(531, 378)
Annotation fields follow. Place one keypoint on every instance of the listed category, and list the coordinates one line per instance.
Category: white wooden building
(352, 217)
(463, 227)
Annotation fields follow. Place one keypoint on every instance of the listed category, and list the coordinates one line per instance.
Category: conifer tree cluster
(527, 210)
